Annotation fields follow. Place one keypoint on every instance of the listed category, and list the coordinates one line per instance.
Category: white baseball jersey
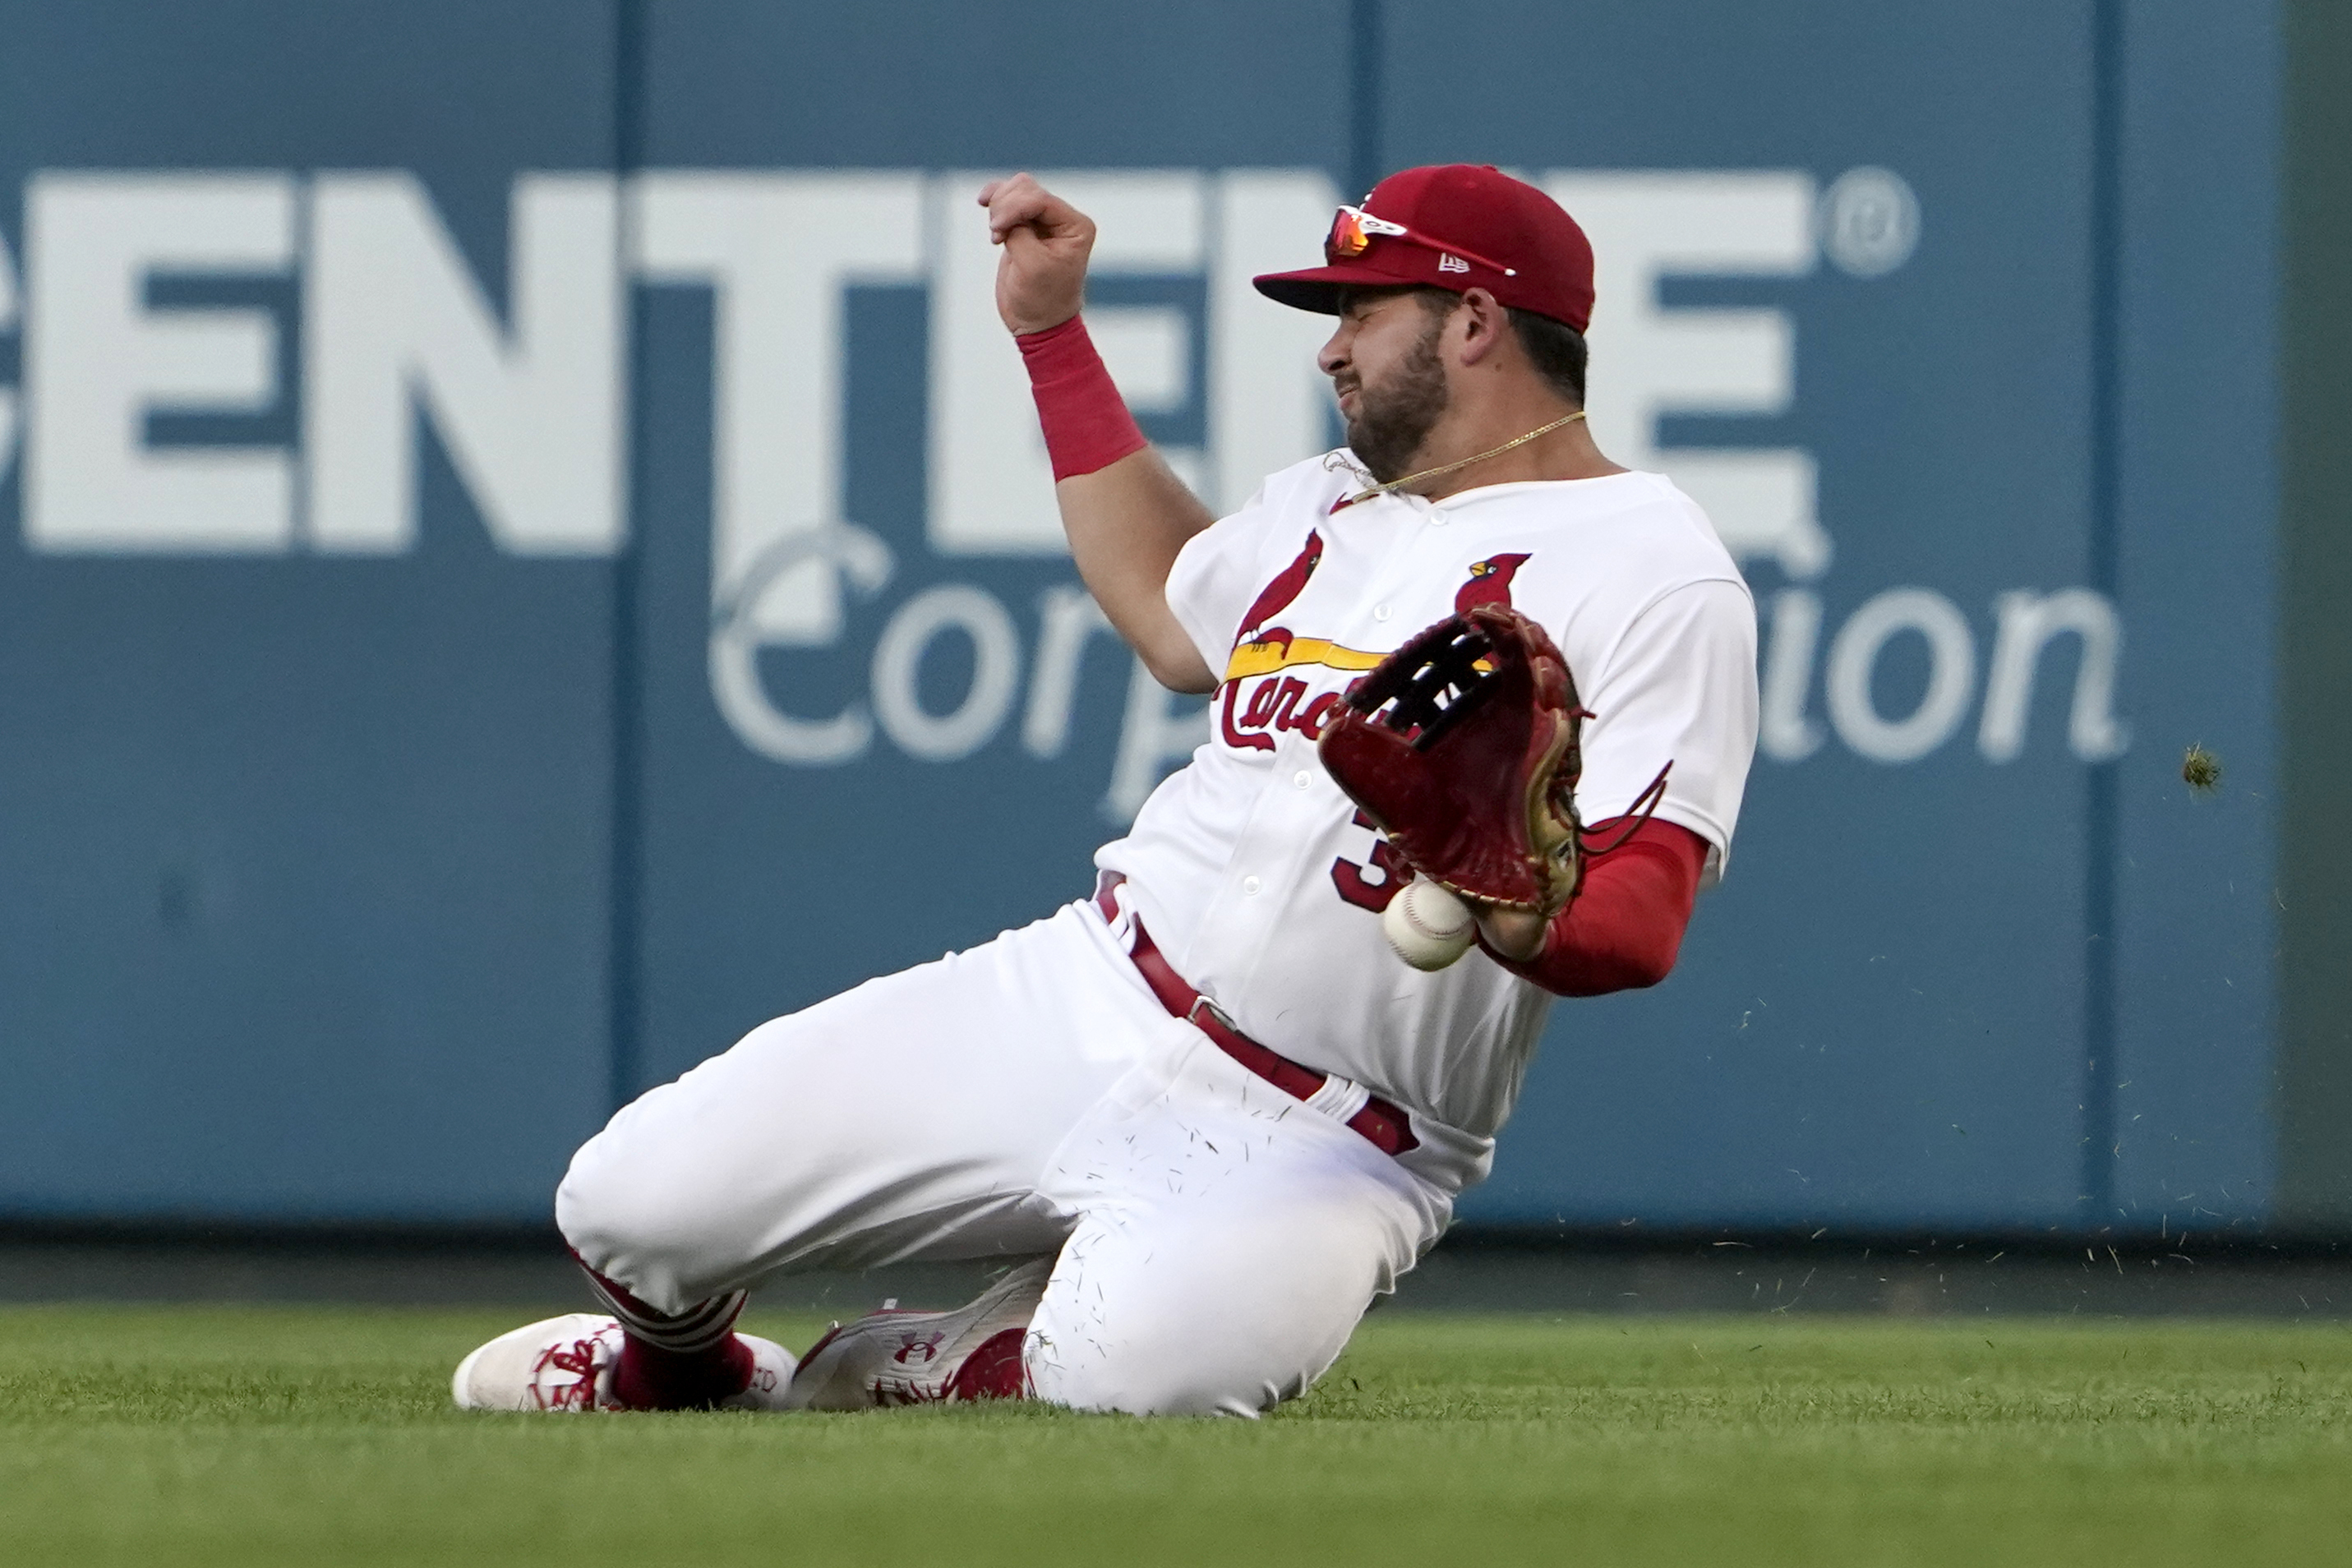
(1254, 873)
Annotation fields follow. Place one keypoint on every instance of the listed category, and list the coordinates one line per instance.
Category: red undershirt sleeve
(1626, 925)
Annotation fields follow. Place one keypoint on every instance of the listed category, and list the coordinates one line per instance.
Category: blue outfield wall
(525, 554)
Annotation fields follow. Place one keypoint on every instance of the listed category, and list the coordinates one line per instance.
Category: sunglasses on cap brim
(1353, 230)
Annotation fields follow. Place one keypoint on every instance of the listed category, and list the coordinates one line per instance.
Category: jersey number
(1372, 886)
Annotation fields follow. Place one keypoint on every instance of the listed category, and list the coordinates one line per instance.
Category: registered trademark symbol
(1869, 221)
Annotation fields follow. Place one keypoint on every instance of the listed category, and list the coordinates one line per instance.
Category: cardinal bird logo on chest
(1286, 586)
(1269, 687)
(1490, 582)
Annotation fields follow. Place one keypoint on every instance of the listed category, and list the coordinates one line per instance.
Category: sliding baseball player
(1484, 704)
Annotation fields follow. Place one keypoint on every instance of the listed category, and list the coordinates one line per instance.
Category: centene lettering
(525, 387)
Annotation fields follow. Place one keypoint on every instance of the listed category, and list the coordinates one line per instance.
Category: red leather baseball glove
(1463, 747)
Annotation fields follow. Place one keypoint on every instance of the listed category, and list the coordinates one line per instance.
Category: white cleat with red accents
(894, 1357)
(567, 1364)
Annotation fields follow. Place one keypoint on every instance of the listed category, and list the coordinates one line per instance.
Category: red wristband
(1087, 426)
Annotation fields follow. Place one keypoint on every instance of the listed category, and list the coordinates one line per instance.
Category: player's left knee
(1133, 1389)
(1148, 1361)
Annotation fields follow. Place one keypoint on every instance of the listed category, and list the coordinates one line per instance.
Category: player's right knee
(621, 1224)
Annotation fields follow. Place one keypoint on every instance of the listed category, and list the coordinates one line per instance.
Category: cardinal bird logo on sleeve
(1285, 586)
(1490, 582)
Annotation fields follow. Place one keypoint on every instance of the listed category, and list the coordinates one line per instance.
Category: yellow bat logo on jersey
(1282, 650)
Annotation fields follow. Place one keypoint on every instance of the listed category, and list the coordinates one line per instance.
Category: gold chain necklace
(1449, 468)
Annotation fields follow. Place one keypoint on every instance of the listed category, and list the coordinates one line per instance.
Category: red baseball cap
(1452, 225)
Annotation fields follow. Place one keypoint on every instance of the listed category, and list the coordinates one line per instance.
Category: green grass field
(275, 1436)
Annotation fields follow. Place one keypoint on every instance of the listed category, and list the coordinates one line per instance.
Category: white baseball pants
(1217, 1239)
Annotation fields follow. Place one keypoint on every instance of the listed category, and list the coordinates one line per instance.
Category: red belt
(1382, 1124)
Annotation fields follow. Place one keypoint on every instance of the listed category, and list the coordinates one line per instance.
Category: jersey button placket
(1410, 574)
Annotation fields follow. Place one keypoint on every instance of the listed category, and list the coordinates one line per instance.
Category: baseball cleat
(895, 1357)
(567, 1364)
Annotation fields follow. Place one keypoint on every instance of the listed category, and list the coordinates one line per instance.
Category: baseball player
(1207, 1113)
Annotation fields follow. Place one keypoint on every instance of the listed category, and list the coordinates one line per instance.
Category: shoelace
(579, 1359)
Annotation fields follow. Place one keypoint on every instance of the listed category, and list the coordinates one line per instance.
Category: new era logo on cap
(1449, 262)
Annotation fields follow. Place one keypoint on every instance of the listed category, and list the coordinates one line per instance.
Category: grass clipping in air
(2201, 770)
(281, 1436)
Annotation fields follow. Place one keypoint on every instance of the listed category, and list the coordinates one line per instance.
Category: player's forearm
(1125, 514)
(1126, 524)
(1625, 929)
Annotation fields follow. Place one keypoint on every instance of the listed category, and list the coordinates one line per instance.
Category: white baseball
(1427, 925)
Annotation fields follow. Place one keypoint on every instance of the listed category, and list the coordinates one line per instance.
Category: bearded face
(1397, 408)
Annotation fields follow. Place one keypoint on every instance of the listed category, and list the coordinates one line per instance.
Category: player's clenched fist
(1041, 279)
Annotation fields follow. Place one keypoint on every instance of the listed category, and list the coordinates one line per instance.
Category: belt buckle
(1203, 1004)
